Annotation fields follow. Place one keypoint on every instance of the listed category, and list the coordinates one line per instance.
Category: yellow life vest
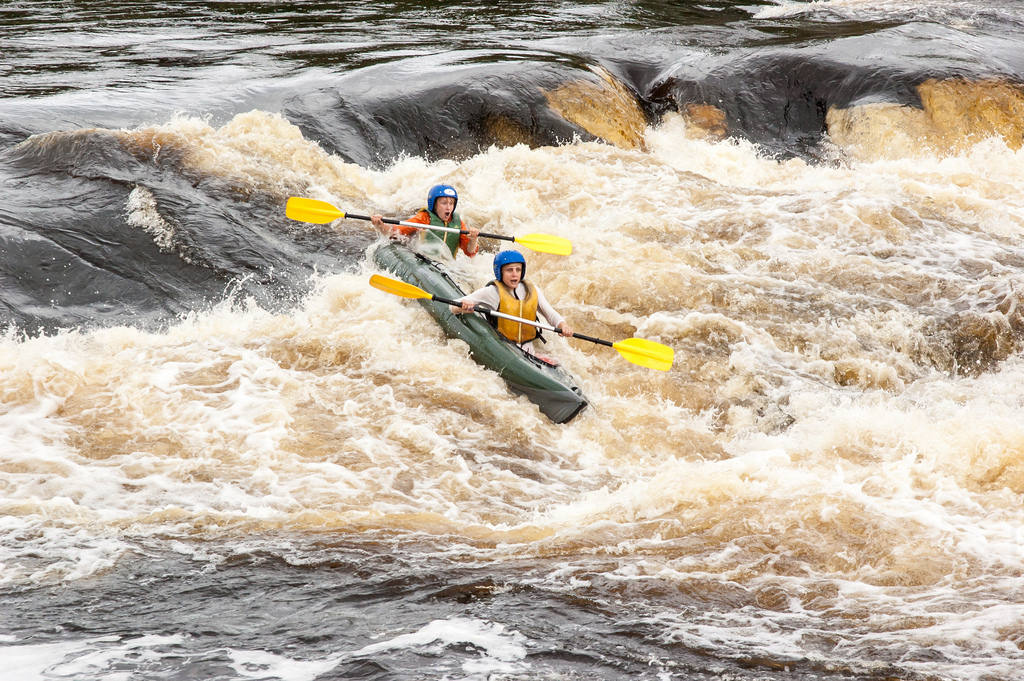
(525, 308)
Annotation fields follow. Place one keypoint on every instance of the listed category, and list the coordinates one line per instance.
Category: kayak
(548, 386)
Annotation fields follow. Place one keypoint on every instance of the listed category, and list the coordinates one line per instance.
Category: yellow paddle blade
(646, 353)
(545, 243)
(399, 288)
(311, 210)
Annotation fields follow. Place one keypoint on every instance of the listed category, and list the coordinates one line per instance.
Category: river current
(223, 455)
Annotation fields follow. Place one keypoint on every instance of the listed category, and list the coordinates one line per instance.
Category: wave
(112, 226)
(145, 224)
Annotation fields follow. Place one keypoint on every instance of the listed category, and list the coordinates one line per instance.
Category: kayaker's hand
(378, 223)
(472, 233)
(565, 330)
(468, 306)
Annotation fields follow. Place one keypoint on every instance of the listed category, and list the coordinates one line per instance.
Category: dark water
(331, 608)
(223, 457)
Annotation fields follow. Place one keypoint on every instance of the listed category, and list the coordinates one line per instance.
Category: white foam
(95, 658)
(260, 664)
(144, 213)
(502, 650)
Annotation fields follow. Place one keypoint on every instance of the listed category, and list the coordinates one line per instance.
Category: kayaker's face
(511, 274)
(444, 206)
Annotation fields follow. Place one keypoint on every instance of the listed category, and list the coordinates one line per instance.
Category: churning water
(224, 456)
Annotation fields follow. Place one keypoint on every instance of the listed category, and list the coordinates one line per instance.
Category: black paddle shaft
(594, 340)
(483, 309)
(451, 302)
(390, 221)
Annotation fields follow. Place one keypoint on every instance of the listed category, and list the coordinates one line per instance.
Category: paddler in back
(440, 212)
(510, 294)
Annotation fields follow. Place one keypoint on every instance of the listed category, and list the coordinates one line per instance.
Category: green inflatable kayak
(546, 385)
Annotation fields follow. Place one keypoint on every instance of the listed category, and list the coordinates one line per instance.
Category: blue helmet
(439, 190)
(503, 258)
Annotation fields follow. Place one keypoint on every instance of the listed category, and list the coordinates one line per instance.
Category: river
(223, 455)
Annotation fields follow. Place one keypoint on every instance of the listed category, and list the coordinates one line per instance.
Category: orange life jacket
(452, 240)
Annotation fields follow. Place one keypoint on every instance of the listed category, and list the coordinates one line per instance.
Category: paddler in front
(440, 211)
(510, 294)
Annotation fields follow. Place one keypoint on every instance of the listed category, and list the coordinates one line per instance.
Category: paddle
(321, 212)
(640, 351)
